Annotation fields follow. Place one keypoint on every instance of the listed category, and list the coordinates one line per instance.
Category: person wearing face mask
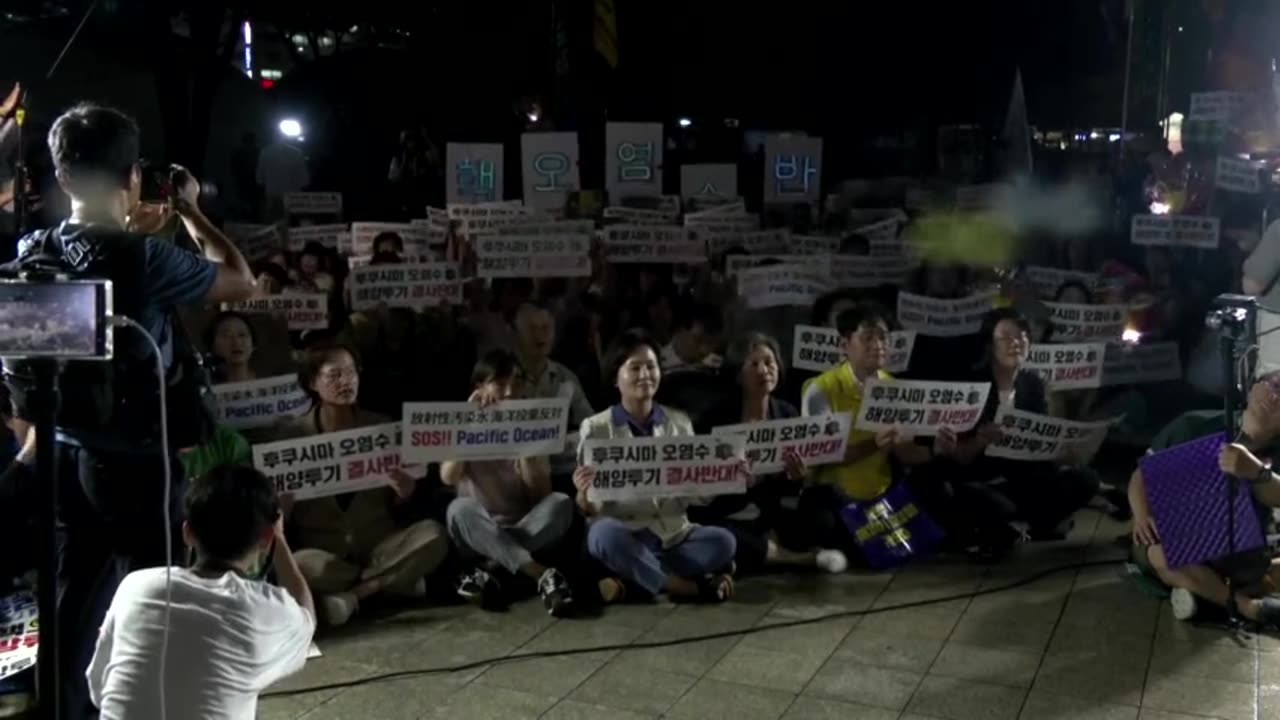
(229, 336)
(649, 545)
(767, 533)
(353, 548)
(505, 510)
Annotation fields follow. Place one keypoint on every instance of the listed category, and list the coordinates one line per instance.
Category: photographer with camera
(110, 464)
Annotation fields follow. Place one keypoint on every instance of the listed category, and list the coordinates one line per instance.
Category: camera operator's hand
(11, 102)
(186, 190)
(148, 218)
(27, 455)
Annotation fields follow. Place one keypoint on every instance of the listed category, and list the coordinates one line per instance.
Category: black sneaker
(557, 598)
(481, 588)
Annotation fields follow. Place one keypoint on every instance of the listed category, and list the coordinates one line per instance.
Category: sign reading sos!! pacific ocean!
(633, 160)
(260, 403)
(465, 431)
(549, 168)
(943, 318)
(916, 407)
(19, 633)
(474, 173)
(818, 440)
(652, 467)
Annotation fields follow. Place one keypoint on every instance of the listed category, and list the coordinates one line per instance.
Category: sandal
(715, 589)
(612, 590)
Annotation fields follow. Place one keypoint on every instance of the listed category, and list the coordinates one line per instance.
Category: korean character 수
(792, 174)
(701, 451)
(635, 162)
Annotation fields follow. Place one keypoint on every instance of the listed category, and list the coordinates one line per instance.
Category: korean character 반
(793, 174)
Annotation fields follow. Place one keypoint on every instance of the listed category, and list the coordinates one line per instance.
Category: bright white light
(248, 33)
(291, 128)
(1130, 335)
(1159, 208)
(1095, 135)
(684, 122)
(532, 115)
(1179, 28)
(1114, 137)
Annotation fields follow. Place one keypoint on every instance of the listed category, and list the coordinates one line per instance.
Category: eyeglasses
(1011, 339)
(337, 374)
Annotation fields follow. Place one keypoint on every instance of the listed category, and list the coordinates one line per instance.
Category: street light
(684, 122)
(291, 128)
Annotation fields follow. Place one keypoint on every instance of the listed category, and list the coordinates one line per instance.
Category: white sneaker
(338, 608)
(832, 561)
(1184, 604)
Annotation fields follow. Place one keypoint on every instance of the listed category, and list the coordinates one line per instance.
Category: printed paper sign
(702, 182)
(474, 172)
(639, 216)
(332, 463)
(761, 242)
(882, 234)
(255, 241)
(792, 169)
(302, 311)
(485, 218)
(414, 286)
(1177, 230)
(633, 160)
(733, 264)
(465, 431)
(815, 244)
(549, 168)
(335, 236)
(652, 244)
(654, 467)
(1034, 437)
(818, 440)
(943, 318)
(917, 407)
(868, 271)
(722, 224)
(1125, 364)
(1237, 175)
(1068, 367)
(533, 256)
(1080, 323)
(1047, 280)
(260, 403)
(417, 239)
(783, 285)
(1218, 106)
(19, 633)
(819, 349)
(313, 203)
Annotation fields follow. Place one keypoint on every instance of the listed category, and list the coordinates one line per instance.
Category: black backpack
(116, 400)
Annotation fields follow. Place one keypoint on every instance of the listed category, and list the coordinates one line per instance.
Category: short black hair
(1073, 285)
(314, 358)
(94, 148)
(861, 315)
(388, 236)
(278, 274)
(228, 510)
(735, 356)
(822, 307)
(627, 342)
(211, 330)
(999, 315)
(494, 366)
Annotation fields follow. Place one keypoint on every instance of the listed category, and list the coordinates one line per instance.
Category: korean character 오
(348, 447)
(550, 166)
(670, 452)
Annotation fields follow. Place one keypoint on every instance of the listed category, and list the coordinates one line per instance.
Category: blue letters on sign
(635, 162)
(551, 166)
(476, 180)
(792, 173)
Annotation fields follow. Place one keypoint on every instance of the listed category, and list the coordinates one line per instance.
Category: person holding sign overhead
(648, 544)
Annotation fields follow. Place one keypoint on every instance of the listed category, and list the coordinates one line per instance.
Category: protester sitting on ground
(865, 473)
(766, 532)
(230, 637)
(230, 339)
(695, 328)
(352, 546)
(311, 274)
(272, 277)
(505, 510)
(1260, 437)
(649, 545)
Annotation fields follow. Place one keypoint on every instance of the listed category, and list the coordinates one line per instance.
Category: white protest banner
(436, 230)
(868, 271)
(438, 218)
(584, 229)
(19, 633)
(1179, 230)
(652, 244)
(260, 403)
(532, 255)
(332, 463)
(473, 173)
(943, 318)
(333, 236)
(1068, 367)
(819, 349)
(1220, 106)
(733, 264)
(405, 285)
(639, 216)
(313, 203)
(1125, 364)
(761, 242)
(881, 234)
(1237, 175)
(465, 431)
(633, 160)
(709, 202)
(818, 440)
(653, 467)
(792, 169)
(417, 239)
(1034, 437)
(700, 182)
(816, 244)
(918, 407)
(783, 285)
(735, 209)
(302, 311)
(549, 168)
(1047, 280)
(255, 241)
(488, 217)
(1081, 323)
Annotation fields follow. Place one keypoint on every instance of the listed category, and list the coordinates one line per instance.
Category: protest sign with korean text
(708, 180)
(334, 236)
(465, 431)
(943, 317)
(313, 203)
(652, 244)
(549, 168)
(918, 407)
(735, 263)
(1047, 281)
(417, 239)
(1076, 366)
(669, 466)
(792, 169)
(1237, 175)
(1219, 105)
(260, 403)
(818, 440)
(1125, 364)
(1034, 437)
(819, 349)
(633, 160)
(405, 285)
(257, 242)
(481, 218)
(639, 216)
(783, 285)
(332, 463)
(532, 256)
(1196, 231)
(815, 244)
(868, 271)
(1082, 323)
(302, 311)
(19, 633)
(473, 173)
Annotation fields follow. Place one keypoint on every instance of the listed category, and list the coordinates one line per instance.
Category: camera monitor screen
(55, 319)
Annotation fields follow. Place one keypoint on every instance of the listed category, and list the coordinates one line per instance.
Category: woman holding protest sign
(648, 544)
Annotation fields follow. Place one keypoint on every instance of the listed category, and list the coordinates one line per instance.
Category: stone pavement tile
(523, 618)
(871, 646)
(573, 710)
(1049, 706)
(716, 700)
(1269, 643)
(766, 668)
(1169, 629)
(703, 619)
(693, 659)
(987, 665)
(818, 638)
(484, 702)
(286, 708)
(581, 634)
(992, 631)
(319, 671)
(642, 616)
(1268, 700)
(811, 708)
(557, 676)
(1149, 714)
(627, 685)
(381, 645)
(1127, 618)
(809, 596)
(1088, 644)
(405, 699)
(453, 648)
(1017, 608)
(1086, 678)
(1215, 662)
(1201, 696)
(930, 621)
(954, 699)
(843, 679)
(1269, 668)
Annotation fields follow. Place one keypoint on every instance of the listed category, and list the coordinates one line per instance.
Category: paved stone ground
(1078, 645)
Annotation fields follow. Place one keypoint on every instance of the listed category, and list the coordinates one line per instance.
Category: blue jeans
(637, 556)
